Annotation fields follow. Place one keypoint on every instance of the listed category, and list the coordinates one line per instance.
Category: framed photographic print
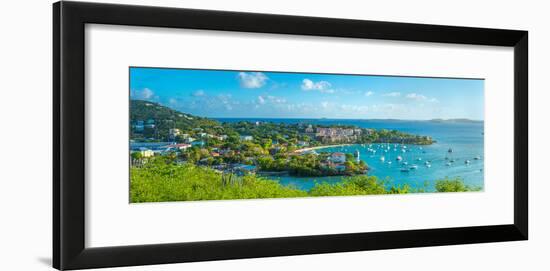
(191, 135)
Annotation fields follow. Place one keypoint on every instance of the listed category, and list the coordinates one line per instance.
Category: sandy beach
(320, 147)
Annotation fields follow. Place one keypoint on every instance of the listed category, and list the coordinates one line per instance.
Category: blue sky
(215, 93)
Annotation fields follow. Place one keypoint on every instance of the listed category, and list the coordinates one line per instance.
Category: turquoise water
(465, 139)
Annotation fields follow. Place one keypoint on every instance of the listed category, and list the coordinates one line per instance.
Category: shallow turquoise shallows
(466, 160)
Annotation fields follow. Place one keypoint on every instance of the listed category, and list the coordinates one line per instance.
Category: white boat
(448, 164)
(467, 162)
(405, 163)
(419, 159)
(414, 167)
(399, 158)
(382, 158)
(428, 165)
(389, 162)
(477, 157)
(404, 170)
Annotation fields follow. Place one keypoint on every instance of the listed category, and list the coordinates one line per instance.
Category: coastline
(321, 147)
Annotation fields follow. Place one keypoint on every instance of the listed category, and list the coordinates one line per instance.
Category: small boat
(450, 150)
(477, 157)
(405, 163)
(399, 158)
(418, 159)
(467, 162)
(382, 158)
(448, 164)
(414, 167)
(404, 170)
(389, 162)
(428, 165)
(403, 150)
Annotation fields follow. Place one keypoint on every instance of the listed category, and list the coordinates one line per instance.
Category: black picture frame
(69, 19)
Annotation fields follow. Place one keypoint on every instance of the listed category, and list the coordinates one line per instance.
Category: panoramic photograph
(197, 134)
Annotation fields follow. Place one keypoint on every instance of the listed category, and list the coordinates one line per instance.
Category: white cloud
(276, 100)
(420, 98)
(143, 94)
(369, 93)
(261, 100)
(252, 79)
(199, 93)
(324, 105)
(322, 86)
(393, 94)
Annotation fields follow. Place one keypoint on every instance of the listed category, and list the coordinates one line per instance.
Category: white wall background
(25, 133)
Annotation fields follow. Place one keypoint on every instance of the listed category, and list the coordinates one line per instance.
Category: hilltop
(158, 120)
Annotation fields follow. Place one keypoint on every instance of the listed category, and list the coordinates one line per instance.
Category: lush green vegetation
(311, 165)
(357, 185)
(453, 185)
(161, 179)
(164, 119)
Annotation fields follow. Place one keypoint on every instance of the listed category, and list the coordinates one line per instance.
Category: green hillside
(158, 120)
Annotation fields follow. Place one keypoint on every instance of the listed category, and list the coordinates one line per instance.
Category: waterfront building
(338, 157)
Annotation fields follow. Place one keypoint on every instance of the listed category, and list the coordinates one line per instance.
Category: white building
(338, 157)
(146, 152)
(247, 138)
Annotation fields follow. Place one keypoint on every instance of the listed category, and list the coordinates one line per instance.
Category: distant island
(456, 120)
(247, 147)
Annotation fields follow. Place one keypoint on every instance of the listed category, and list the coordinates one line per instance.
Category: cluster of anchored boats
(405, 167)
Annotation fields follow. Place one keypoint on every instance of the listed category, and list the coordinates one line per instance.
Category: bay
(464, 138)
